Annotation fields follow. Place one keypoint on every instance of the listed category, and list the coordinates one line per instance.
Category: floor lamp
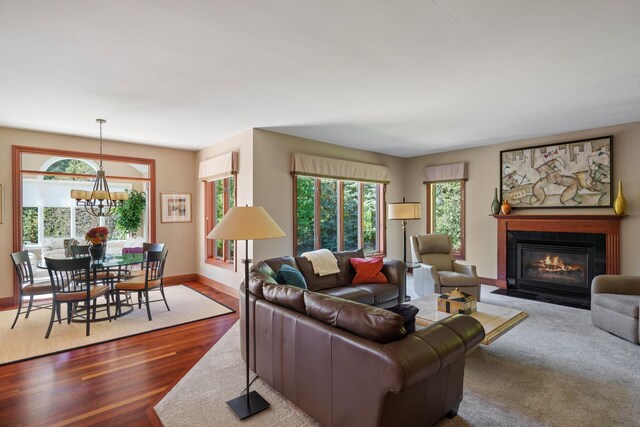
(404, 211)
(246, 223)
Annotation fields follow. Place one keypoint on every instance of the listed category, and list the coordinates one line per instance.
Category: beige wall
(243, 144)
(174, 173)
(484, 176)
(273, 184)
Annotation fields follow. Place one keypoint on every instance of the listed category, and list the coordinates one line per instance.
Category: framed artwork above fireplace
(574, 174)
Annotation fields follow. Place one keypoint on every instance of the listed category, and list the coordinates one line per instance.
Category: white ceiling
(398, 77)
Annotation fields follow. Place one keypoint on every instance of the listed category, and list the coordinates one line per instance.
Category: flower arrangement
(97, 235)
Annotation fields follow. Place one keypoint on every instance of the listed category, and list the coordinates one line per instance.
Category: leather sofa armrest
(396, 272)
(619, 284)
(428, 350)
(469, 270)
(432, 272)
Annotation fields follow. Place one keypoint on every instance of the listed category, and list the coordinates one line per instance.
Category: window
(445, 212)
(220, 196)
(337, 215)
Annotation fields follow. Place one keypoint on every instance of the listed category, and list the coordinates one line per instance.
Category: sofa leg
(453, 412)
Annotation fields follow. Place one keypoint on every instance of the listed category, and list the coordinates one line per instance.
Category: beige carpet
(554, 369)
(27, 340)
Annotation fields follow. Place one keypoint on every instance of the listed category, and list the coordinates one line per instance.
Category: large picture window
(220, 196)
(337, 215)
(445, 212)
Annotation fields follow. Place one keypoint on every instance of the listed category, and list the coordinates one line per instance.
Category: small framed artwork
(175, 207)
(573, 174)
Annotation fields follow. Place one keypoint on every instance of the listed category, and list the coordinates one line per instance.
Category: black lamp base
(240, 408)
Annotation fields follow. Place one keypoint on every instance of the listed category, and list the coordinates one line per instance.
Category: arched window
(71, 166)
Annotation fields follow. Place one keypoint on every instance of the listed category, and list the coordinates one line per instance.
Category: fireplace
(555, 263)
(554, 267)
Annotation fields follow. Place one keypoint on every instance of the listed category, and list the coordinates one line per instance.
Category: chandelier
(99, 201)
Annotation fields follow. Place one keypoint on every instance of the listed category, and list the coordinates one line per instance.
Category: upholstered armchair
(614, 305)
(440, 272)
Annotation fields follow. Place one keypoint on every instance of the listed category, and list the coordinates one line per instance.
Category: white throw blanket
(323, 262)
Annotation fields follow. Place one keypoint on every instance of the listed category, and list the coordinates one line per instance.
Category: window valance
(324, 167)
(449, 172)
(219, 167)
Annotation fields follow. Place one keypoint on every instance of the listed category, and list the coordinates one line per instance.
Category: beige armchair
(442, 272)
(615, 301)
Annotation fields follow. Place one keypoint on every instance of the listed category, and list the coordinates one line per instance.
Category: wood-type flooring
(115, 383)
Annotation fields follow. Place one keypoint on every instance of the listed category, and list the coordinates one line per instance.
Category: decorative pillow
(132, 250)
(288, 275)
(368, 270)
(67, 247)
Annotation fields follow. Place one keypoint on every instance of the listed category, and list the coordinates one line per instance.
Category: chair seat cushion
(95, 292)
(351, 293)
(381, 292)
(624, 304)
(136, 284)
(36, 290)
(453, 279)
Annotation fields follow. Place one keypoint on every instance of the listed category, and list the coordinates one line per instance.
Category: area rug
(27, 340)
(554, 369)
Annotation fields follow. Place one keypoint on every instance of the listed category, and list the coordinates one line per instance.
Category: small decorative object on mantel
(620, 204)
(495, 205)
(506, 207)
(97, 237)
(457, 302)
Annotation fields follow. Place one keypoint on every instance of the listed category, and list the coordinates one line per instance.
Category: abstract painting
(575, 174)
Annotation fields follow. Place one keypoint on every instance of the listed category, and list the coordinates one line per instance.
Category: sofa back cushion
(315, 282)
(285, 296)
(375, 324)
(347, 272)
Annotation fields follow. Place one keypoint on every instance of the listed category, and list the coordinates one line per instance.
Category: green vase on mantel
(620, 204)
(495, 205)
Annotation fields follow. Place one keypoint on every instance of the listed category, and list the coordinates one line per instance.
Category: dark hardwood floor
(115, 383)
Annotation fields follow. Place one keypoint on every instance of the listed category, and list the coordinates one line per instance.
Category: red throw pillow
(368, 270)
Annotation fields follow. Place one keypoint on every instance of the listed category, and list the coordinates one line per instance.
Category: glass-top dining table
(115, 264)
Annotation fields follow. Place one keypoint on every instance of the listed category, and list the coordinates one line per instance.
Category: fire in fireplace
(554, 267)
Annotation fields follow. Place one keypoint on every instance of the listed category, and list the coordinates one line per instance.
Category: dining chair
(151, 280)
(146, 247)
(24, 271)
(71, 284)
(103, 276)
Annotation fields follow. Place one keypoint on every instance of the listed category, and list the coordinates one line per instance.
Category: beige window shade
(450, 172)
(219, 167)
(324, 167)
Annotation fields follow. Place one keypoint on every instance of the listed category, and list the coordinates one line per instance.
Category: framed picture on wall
(175, 207)
(574, 174)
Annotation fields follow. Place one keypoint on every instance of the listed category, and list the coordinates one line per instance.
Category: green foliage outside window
(129, 216)
(328, 215)
(30, 226)
(222, 195)
(447, 212)
(70, 166)
(57, 222)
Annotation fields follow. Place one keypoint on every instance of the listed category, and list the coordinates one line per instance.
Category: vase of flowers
(97, 239)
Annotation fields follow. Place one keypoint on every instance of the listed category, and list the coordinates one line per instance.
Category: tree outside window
(445, 212)
(337, 215)
(220, 196)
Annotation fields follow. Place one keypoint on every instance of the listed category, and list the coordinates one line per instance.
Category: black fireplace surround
(554, 264)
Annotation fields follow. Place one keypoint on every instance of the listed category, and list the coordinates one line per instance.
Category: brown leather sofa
(347, 363)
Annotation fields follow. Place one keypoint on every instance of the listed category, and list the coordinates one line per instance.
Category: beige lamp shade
(246, 223)
(404, 210)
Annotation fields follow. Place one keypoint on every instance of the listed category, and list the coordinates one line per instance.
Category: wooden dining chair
(24, 271)
(146, 247)
(71, 283)
(151, 280)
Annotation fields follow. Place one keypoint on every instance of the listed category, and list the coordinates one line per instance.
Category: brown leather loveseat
(346, 363)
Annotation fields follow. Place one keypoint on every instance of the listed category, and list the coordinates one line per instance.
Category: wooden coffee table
(496, 320)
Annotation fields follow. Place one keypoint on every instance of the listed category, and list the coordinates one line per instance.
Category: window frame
(380, 222)
(18, 172)
(210, 222)
(460, 254)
